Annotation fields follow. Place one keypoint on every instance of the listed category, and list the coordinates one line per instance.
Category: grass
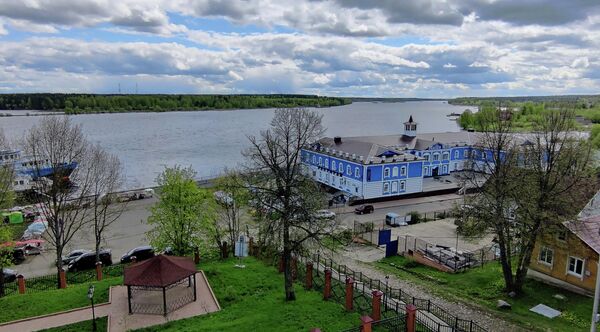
(46, 302)
(484, 286)
(253, 299)
(81, 326)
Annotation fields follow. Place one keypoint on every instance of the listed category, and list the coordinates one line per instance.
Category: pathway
(117, 311)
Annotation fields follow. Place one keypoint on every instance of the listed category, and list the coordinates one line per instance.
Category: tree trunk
(290, 295)
(2, 282)
(98, 240)
(59, 264)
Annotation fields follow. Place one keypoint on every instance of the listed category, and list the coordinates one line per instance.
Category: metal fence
(430, 316)
(40, 284)
(449, 257)
(10, 288)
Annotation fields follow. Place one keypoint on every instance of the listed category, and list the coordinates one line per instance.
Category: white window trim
(348, 169)
(403, 171)
(388, 187)
(456, 154)
(541, 261)
(395, 171)
(436, 157)
(333, 165)
(356, 172)
(386, 172)
(341, 168)
(425, 170)
(445, 156)
(402, 186)
(569, 272)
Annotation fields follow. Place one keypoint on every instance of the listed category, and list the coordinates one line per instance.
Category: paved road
(130, 229)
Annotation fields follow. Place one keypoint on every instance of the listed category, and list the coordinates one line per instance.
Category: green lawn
(81, 326)
(253, 299)
(74, 296)
(484, 286)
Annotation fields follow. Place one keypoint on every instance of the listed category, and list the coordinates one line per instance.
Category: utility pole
(596, 298)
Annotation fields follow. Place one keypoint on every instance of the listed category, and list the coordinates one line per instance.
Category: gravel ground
(459, 309)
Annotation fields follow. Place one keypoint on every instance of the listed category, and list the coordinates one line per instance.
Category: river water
(209, 141)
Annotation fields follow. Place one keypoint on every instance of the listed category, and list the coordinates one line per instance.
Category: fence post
(327, 287)
(281, 267)
(376, 305)
(21, 282)
(99, 271)
(63, 278)
(365, 324)
(294, 268)
(428, 305)
(309, 275)
(349, 293)
(411, 313)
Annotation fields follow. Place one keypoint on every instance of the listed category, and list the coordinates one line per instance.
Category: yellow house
(569, 257)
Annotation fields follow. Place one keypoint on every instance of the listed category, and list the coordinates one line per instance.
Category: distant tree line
(94, 103)
(564, 101)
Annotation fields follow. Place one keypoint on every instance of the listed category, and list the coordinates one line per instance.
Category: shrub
(415, 217)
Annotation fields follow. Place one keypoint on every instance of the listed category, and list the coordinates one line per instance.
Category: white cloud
(449, 65)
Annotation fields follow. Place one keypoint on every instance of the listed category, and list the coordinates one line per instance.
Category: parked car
(364, 209)
(9, 275)
(394, 219)
(87, 261)
(140, 253)
(324, 214)
(73, 255)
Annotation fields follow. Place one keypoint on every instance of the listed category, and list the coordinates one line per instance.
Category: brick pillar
(63, 278)
(349, 293)
(376, 312)
(309, 275)
(99, 271)
(365, 324)
(327, 287)
(21, 283)
(294, 268)
(411, 313)
(281, 265)
(196, 256)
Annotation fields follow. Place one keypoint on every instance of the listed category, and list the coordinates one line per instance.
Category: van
(394, 219)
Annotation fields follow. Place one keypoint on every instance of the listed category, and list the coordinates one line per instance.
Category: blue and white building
(370, 167)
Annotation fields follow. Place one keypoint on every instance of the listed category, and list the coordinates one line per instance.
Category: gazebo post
(129, 298)
(194, 276)
(165, 300)
(190, 281)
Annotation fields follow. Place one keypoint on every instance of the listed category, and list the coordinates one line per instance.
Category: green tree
(181, 219)
(6, 253)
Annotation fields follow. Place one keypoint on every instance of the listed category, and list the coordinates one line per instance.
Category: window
(333, 166)
(436, 157)
(575, 266)
(314, 159)
(386, 172)
(320, 161)
(484, 155)
(326, 163)
(426, 156)
(403, 170)
(466, 153)
(356, 172)
(386, 187)
(369, 174)
(562, 235)
(446, 156)
(546, 255)
(395, 187)
(456, 154)
(445, 169)
(426, 171)
(349, 170)
(341, 168)
(402, 185)
(395, 171)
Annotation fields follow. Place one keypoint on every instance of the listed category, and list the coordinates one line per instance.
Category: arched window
(349, 170)
(446, 156)
(341, 168)
(403, 170)
(436, 156)
(333, 166)
(326, 163)
(320, 161)
(386, 172)
(386, 187)
(427, 156)
(456, 152)
(402, 185)
(395, 186)
(356, 172)
(395, 171)
(314, 159)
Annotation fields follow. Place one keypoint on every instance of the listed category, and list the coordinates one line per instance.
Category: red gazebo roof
(159, 271)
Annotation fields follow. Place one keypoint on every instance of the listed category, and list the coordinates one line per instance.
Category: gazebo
(160, 285)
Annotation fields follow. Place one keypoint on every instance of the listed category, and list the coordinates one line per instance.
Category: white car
(324, 214)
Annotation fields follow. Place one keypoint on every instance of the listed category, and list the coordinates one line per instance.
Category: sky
(383, 48)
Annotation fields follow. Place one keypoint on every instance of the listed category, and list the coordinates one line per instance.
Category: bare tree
(57, 146)
(105, 179)
(528, 184)
(231, 196)
(279, 187)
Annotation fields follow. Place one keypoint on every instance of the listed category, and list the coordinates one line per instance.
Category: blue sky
(383, 48)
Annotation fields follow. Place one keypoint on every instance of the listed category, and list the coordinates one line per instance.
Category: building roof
(361, 151)
(588, 230)
(159, 271)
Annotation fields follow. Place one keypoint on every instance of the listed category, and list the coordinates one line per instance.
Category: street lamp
(90, 296)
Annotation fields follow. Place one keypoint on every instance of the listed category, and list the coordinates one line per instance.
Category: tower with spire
(410, 128)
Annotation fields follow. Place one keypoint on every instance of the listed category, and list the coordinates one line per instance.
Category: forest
(100, 103)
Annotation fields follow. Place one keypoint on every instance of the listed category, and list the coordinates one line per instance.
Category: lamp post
(90, 296)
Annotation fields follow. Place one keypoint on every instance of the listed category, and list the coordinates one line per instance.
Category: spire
(410, 119)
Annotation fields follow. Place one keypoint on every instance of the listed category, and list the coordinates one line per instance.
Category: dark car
(140, 253)
(87, 261)
(18, 256)
(9, 275)
(363, 209)
(73, 255)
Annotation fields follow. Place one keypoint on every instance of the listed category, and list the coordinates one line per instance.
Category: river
(210, 141)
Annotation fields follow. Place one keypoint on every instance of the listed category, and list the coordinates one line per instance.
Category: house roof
(159, 271)
(588, 230)
(369, 151)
